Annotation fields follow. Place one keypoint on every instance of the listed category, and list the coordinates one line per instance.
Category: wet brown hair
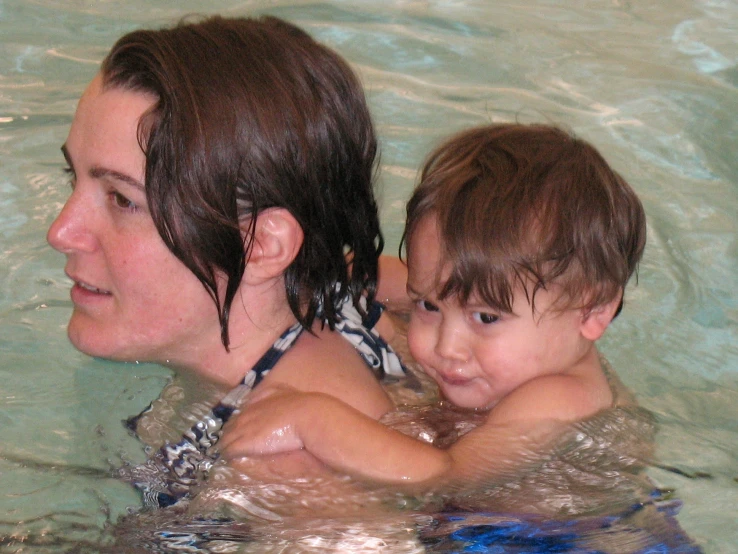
(529, 206)
(253, 114)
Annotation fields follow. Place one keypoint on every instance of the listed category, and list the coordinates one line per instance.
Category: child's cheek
(418, 341)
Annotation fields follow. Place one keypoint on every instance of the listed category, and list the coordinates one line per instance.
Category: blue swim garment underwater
(646, 529)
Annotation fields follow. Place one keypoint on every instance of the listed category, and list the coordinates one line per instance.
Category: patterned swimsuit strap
(192, 455)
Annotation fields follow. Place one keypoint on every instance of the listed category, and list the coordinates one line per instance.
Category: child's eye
(426, 306)
(485, 318)
(122, 202)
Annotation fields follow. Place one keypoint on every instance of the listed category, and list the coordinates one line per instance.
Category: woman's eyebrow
(65, 153)
(98, 172)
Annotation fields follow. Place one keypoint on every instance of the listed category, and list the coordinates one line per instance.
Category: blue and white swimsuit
(169, 474)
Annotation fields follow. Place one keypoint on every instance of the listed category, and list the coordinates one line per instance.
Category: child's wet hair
(523, 207)
(253, 114)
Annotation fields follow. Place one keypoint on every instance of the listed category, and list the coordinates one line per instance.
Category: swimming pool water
(653, 85)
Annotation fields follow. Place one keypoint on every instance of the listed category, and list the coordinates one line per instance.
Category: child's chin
(467, 401)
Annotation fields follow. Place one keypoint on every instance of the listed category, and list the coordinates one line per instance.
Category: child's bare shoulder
(563, 397)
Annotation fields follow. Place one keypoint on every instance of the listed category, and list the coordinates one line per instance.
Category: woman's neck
(257, 319)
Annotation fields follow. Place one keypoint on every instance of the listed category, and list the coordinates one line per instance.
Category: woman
(221, 204)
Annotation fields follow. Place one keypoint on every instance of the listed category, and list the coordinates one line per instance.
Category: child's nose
(451, 343)
(70, 230)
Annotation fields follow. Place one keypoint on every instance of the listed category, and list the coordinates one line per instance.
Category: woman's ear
(596, 320)
(277, 240)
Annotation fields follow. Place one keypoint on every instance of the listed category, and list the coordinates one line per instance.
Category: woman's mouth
(90, 288)
(83, 293)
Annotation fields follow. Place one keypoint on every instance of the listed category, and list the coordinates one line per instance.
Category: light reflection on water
(653, 86)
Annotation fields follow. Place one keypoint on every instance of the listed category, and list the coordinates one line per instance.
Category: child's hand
(265, 425)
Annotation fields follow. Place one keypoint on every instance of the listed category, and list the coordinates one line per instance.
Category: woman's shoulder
(325, 362)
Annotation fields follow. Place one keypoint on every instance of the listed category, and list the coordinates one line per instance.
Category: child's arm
(350, 442)
(392, 286)
(392, 292)
(340, 436)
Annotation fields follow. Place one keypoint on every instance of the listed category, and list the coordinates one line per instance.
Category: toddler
(520, 241)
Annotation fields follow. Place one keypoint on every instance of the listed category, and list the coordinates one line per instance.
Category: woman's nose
(70, 230)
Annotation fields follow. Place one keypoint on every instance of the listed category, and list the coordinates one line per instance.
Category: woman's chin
(91, 340)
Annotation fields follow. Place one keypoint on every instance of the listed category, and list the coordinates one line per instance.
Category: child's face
(475, 354)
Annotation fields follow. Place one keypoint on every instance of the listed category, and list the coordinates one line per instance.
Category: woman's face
(133, 299)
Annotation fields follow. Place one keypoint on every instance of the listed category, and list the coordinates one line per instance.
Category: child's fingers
(264, 392)
(241, 432)
(262, 427)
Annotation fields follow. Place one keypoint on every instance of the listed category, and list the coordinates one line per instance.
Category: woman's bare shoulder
(327, 363)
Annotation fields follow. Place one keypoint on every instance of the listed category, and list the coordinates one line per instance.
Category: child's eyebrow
(98, 172)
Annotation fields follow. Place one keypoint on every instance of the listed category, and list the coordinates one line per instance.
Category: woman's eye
(485, 318)
(69, 172)
(122, 202)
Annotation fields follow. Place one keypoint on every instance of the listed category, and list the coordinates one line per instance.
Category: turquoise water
(653, 84)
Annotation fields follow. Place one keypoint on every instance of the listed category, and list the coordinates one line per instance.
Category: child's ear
(595, 320)
(277, 240)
